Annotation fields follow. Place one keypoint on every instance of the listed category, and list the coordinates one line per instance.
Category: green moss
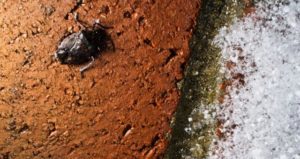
(200, 82)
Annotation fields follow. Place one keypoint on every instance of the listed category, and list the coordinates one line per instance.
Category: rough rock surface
(122, 106)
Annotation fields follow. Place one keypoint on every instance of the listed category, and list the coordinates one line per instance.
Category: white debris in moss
(263, 114)
(200, 117)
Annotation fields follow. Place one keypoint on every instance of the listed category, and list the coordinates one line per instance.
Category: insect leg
(84, 68)
(97, 23)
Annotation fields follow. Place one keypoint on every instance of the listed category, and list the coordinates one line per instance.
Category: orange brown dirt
(123, 105)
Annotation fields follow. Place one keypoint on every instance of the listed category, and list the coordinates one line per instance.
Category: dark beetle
(80, 47)
(83, 46)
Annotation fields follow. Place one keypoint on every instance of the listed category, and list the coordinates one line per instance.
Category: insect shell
(80, 47)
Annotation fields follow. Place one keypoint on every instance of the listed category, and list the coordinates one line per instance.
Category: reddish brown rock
(123, 105)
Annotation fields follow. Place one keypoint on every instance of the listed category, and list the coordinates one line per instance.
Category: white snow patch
(266, 109)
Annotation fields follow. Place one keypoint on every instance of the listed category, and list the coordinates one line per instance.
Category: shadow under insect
(83, 47)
